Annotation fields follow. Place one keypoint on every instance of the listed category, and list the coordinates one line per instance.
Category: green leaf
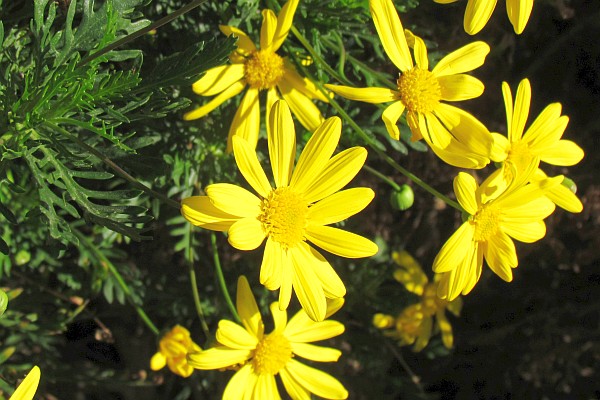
(3, 304)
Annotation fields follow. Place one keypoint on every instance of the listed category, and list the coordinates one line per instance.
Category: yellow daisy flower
(415, 324)
(173, 350)
(478, 13)
(454, 135)
(259, 357)
(28, 387)
(259, 68)
(495, 218)
(541, 140)
(297, 208)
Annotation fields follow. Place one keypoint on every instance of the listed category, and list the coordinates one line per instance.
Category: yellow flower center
(283, 216)
(419, 90)
(487, 221)
(409, 322)
(430, 300)
(519, 156)
(272, 354)
(263, 69)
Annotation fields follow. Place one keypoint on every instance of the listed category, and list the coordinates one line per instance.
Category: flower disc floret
(487, 222)
(283, 216)
(419, 90)
(263, 69)
(272, 354)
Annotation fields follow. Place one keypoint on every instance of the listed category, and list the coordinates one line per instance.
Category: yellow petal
(217, 79)
(248, 309)
(340, 242)
(333, 287)
(200, 211)
(521, 111)
(334, 305)
(424, 334)
(527, 211)
(302, 107)
(460, 87)
(233, 336)
(303, 85)
(241, 385)
(563, 152)
(339, 206)
(454, 251)
(518, 13)
(245, 44)
(340, 170)
(218, 357)
(373, 95)
(246, 121)
(267, 30)
(308, 290)
(272, 97)
(233, 199)
(565, 198)
(410, 273)
(292, 387)
(228, 93)
(525, 232)
(28, 387)
(390, 118)
(477, 14)
(547, 128)
(420, 51)
(246, 234)
(279, 317)
(460, 156)
(316, 353)
(445, 328)
(274, 262)
(158, 361)
(249, 166)
(316, 154)
(391, 33)
(287, 274)
(465, 188)
(501, 256)
(317, 382)
(437, 134)
(284, 23)
(465, 59)
(508, 106)
(282, 143)
(500, 148)
(266, 387)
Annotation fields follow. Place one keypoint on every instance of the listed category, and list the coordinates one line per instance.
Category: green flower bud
(402, 199)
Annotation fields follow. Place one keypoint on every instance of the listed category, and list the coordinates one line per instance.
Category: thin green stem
(221, 277)
(170, 202)
(141, 32)
(115, 273)
(384, 178)
(194, 284)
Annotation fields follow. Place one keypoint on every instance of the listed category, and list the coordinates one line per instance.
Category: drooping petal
(454, 251)
(303, 84)
(420, 50)
(233, 336)
(340, 242)
(273, 264)
(294, 389)
(249, 166)
(465, 59)
(282, 143)
(279, 317)
(465, 188)
(547, 128)
(460, 87)
(267, 29)
(391, 33)
(437, 134)
(218, 357)
(475, 266)
(233, 199)
(459, 155)
(246, 234)
(245, 44)
(424, 334)
(284, 23)
(228, 93)
(333, 287)
(338, 172)
(339, 206)
(266, 388)
(248, 309)
(272, 97)
(565, 198)
(563, 152)
(390, 118)
(477, 14)
(316, 154)
(445, 328)
(287, 282)
(246, 121)
(302, 107)
(316, 353)
(521, 111)
(217, 79)
(518, 13)
(308, 289)
(200, 211)
(241, 385)
(501, 255)
(317, 382)
(374, 95)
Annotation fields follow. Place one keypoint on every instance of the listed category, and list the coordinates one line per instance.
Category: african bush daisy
(299, 207)
(173, 349)
(416, 324)
(542, 139)
(258, 358)
(454, 135)
(259, 69)
(478, 13)
(28, 387)
(496, 216)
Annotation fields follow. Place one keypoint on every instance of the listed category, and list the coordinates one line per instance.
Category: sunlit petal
(218, 357)
(465, 59)
(249, 166)
(248, 309)
(267, 29)
(234, 336)
(246, 121)
(200, 211)
(284, 23)
(477, 14)
(302, 107)
(518, 13)
(339, 206)
(373, 95)
(241, 385)
(228, 93)
(340, 242)
(246, 234)
(316, 353)
(317, 382)
(282, 143)
(460, 87)
(391, 33)
(454, 251)
(233, 199)
(390, 118)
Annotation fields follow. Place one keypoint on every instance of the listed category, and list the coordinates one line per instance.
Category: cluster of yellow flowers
(305, 197)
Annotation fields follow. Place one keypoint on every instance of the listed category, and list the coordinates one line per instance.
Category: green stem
(170, 202)
(221, 277)
(113, 270)
(194, 284)
(141, 32)
(384, 178)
